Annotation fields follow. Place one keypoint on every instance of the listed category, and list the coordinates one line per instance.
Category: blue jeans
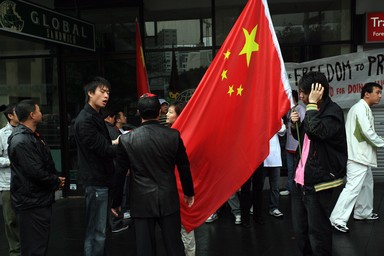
(96, 207)
(234, 203)
(310, 219)
(290, 158)
(274, 179)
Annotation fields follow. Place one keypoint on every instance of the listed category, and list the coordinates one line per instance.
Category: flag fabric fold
(235, 110)
(141, 71)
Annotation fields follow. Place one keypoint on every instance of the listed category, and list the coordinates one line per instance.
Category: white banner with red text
(346, 74)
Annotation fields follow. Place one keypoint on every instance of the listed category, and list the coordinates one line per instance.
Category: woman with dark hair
(174, 110)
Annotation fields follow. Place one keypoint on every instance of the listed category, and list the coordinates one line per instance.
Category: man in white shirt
(10, 219)
(362, 142)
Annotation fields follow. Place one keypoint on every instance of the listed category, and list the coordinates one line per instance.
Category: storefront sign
(35, 21)
(346, 74)
(375, 27)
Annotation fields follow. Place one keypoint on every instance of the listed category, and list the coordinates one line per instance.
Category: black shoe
(120, 226)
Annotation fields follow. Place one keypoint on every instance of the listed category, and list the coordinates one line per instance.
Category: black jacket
(33, 173)
(327, 158)
(152, 151)
(94, 148)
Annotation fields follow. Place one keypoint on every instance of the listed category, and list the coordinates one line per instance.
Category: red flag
(235, 110)
(141, 71)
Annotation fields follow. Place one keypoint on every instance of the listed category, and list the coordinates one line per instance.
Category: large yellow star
(142, 56)
(230, 90)
(250, 44)
(226, 54)
(224, 74)
(240, 90)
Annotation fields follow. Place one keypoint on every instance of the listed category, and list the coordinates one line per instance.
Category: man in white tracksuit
(362, 141)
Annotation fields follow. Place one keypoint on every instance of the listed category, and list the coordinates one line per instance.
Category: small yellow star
(230, 90)
(250, 44)
(226, 54)
(240, 90)
(142, 56)
(224, 74)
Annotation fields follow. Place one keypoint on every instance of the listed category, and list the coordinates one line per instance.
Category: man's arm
(4, 160)
(366, 129)
(92, 139)
(38, 171)
(182, 163)
(122, 165)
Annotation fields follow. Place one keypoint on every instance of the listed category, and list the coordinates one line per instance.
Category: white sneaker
(285, 193)
(340, 227)
(276, 213)
(238, 219)
(212, 218)
(127, 215)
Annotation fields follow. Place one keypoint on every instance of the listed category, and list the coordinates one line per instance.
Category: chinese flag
(141, 71)
(236, 109)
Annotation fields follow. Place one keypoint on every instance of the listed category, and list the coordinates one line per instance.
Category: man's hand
(115, 211)
(116, 141)
(61, 182)
(316, 93)
(189, 200)
(294, 117)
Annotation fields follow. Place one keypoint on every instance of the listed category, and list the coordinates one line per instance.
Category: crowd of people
(129, 173)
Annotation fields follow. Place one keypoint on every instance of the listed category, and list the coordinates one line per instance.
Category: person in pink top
(320, 164)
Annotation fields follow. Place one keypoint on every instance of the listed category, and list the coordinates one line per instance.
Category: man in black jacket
(95, 157)
(33, 180)
(321, 161)
(152, 151)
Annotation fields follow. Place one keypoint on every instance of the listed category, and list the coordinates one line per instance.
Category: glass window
(12, 46)
(191, 66)
(299, 53)
(181, 33)
(316, 27)
(227, 13)
(122, 76)
(34, 78)
(114, 27)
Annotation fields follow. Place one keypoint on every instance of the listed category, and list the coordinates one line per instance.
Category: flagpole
(298, 134)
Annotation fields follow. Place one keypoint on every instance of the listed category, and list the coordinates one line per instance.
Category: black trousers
(310, 220)
(254, 196)
(34, 230)
(170, 228)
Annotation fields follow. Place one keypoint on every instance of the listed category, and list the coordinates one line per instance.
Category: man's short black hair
(24, 108)
(9, 110)
(368, 87)
(149, 106)
(92, 85)
(313, 77)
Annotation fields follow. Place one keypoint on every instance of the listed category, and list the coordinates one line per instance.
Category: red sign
(375, 27)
